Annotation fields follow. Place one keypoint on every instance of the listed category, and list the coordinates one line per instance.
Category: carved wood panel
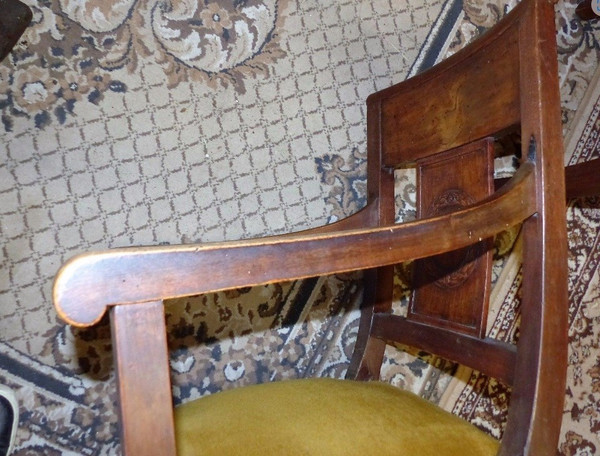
(452, 289)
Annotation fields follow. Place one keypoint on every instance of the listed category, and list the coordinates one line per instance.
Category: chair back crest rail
(444, 122)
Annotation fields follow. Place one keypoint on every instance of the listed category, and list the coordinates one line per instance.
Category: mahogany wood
(583, 179)
(486, 355)
(443, 101)
(505, 80)
(535, 415)
(145, 402)
(379, 283)
(369, 349)
(451, 290)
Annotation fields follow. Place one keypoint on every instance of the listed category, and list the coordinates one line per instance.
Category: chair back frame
(507, 78)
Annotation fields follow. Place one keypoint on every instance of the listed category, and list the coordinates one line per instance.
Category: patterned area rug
(152, 122)
(581, 423)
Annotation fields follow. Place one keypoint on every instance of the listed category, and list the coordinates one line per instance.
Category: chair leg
(368, 351)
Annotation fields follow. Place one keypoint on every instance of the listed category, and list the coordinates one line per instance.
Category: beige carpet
(156, 122)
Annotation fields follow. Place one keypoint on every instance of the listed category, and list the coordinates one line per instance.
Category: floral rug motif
(581, 423)
(78, 50)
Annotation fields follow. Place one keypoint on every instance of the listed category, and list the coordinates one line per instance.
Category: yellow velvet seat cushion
(323, 417)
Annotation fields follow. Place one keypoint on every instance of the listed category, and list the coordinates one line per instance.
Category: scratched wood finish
(141, 358)
(378, 283)
(443, 102)
(536, 405)
(519, 58)
(451, 290)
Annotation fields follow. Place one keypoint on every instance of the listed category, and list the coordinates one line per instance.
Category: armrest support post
(141, 358)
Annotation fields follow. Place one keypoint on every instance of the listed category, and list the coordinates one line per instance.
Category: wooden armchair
(445, 122)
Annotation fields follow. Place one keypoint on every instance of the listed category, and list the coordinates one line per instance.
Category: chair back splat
(447, 123)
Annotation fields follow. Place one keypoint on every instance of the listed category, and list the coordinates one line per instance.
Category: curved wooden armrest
(89, 283)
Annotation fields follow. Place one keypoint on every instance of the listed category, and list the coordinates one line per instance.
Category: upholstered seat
(324, 417)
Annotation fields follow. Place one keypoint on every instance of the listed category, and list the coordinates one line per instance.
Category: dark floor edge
(24, 367)
(437, 37)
